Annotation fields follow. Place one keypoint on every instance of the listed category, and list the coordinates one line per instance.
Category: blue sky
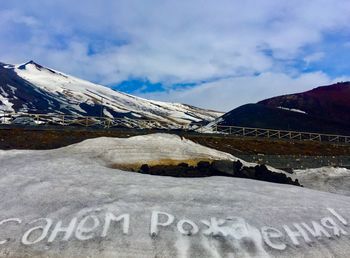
(212, 54)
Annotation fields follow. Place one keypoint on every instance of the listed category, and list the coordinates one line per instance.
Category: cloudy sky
(213, 54)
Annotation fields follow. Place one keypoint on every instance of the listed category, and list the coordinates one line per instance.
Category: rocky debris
(219, 168)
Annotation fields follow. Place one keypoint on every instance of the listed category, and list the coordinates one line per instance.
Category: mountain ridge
(331, 102)
(324, 109)
(31, 87)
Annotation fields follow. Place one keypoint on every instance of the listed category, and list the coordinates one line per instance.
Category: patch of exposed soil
(20, 138)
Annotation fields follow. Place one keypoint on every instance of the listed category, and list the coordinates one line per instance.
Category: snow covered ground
(158, 148)
(68, 202)
(152, 148)
(329, 179)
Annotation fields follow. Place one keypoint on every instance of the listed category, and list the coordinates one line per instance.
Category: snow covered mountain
(33, 88)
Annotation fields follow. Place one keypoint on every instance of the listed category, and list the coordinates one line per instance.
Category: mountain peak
(31, 62)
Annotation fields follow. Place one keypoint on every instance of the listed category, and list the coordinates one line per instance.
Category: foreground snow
(156, 148)
(329, 179)
(69, 203)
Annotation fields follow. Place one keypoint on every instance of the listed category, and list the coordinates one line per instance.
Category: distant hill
(324, 109)
(258, 115)
(329, 102)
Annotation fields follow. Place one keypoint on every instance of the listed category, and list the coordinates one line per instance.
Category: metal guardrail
(106, 122)
(86, 121)
(282, 134)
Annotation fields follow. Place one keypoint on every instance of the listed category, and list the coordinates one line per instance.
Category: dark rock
(223, 166)
(203, 164)
(262, 173)
(183, 165)
(219, 168)
(289, 170)
(144, 169)
(204, 168)
(247, 172)
(168, 170)
(237, 166)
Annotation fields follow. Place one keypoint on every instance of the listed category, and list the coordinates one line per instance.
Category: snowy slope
(329, 179)
(34, 88)
(64, 203)
(151, 149)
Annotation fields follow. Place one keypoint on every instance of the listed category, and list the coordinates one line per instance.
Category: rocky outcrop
(219, 168)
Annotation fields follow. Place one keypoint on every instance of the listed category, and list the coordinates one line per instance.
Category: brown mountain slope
(330, 102)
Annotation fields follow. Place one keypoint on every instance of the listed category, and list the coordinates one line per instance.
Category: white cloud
(171, 41)
(14, 16)
(347, 44)
(230, 93)
(314, 57)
